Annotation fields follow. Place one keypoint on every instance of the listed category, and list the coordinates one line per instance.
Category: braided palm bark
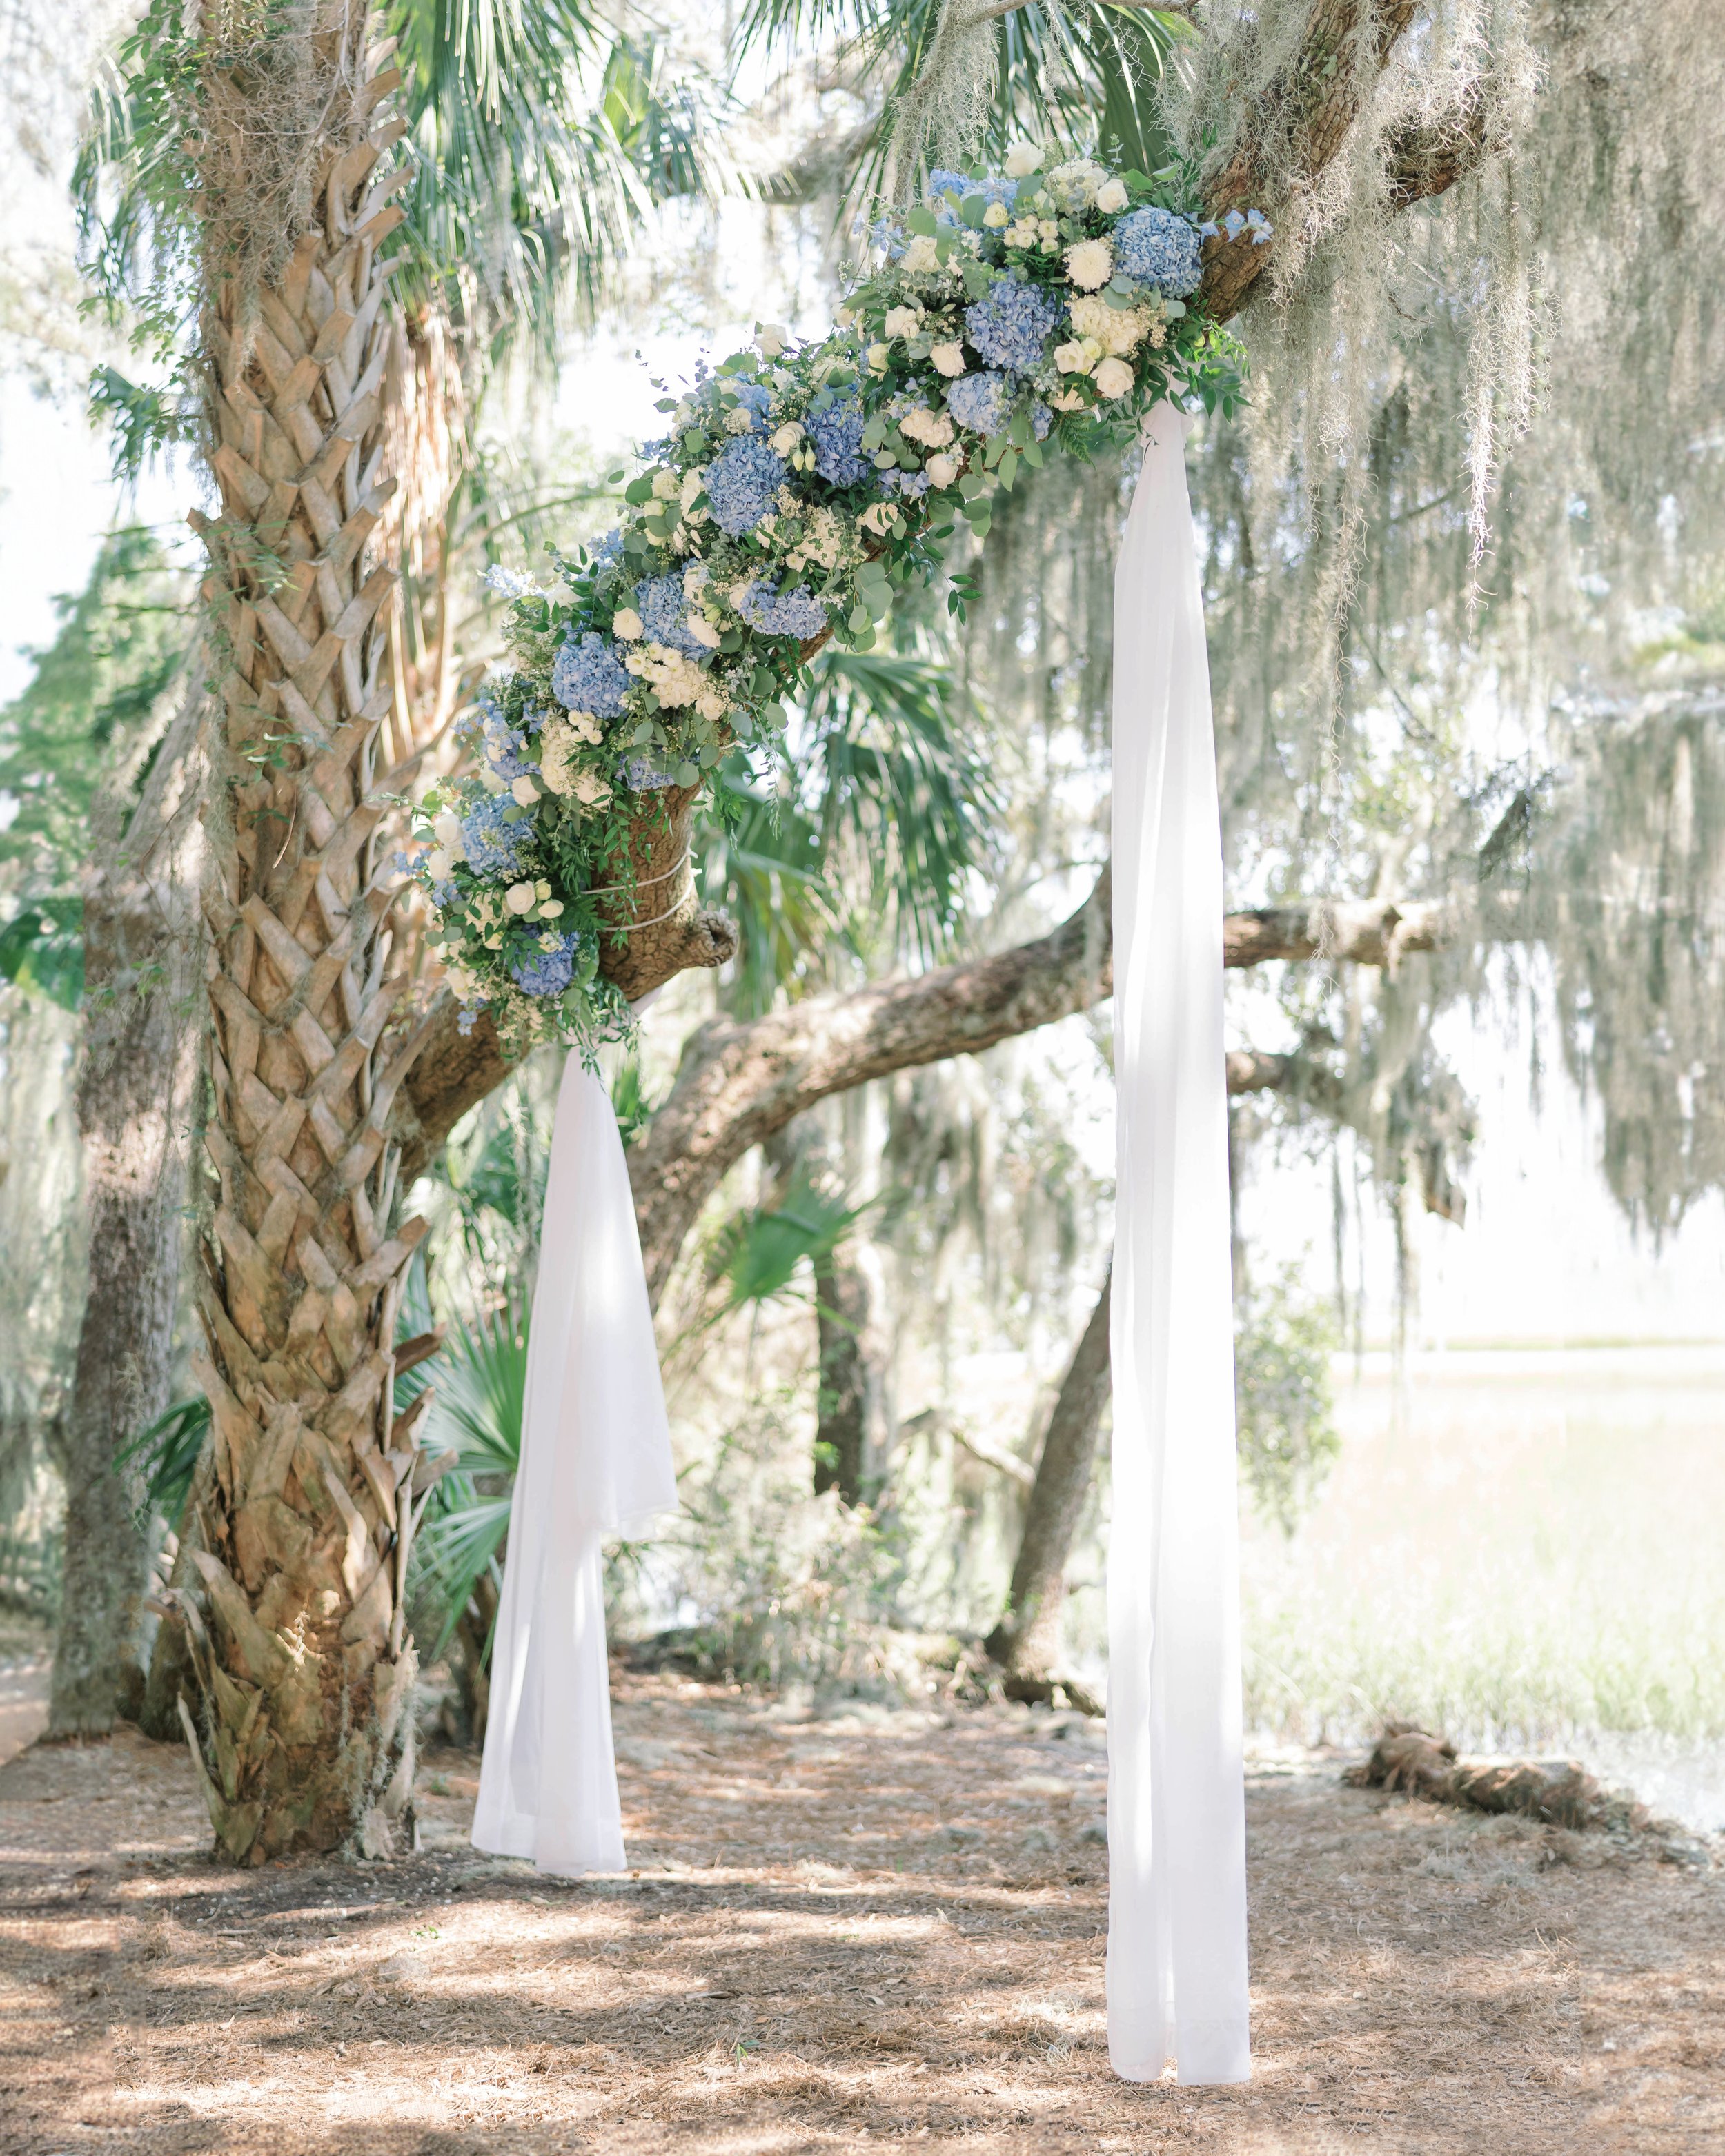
(299, 1639)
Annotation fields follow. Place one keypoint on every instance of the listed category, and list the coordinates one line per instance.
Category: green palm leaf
(481, 1387)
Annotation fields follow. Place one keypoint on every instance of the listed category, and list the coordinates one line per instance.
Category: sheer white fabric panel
(1176, 1943)
(596, 1462)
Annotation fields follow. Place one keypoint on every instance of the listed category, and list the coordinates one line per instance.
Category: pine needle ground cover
(874, 1927)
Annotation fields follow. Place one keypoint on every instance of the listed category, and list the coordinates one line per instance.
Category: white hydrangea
(559, 744)
(674, 678)
(933, 429)
(1117, 329)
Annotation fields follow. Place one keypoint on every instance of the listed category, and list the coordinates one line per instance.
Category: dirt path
(839, 1932)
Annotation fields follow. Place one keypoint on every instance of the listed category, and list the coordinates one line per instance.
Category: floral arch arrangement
(797, 485)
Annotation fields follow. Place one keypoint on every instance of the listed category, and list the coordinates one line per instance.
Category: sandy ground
(841, 1932)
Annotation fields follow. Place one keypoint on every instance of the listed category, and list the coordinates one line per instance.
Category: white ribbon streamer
(1176, 1912)
(596, 1462)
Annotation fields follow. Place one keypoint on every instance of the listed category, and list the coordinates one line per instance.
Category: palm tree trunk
(841, 1304)
(299, 1632)
(1026, 1642)
(138, 1087)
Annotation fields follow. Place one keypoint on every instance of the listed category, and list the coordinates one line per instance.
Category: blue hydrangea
(493, 847)
(1157, 248)
(783, 614)
(1010, 327)
(981, 401)
(502, 743)
(837, 433)
(545, 973)
(1041, 420)
(589, 676)
(607, 547)
(639, 774)
(664, 617)
(992, 189)
(742, 484)
(755, 399)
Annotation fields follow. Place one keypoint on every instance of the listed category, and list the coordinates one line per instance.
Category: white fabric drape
(1177, 1944)
(596, 1462)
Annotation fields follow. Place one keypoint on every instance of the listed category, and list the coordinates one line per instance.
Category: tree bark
(299, 1630)
(1025, 1642)
(842, 1310)
(136, 1104)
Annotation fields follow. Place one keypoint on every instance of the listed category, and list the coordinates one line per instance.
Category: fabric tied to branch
(1176, 1912)
(595, 1462)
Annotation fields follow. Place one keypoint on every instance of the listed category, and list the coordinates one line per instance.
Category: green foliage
(1284, 1338)
(1084, 77)
(758, 1251)
(42, 950)
(872, 844)
(166, 1456)
(92, 696)
(481, 1384)
(538, 137)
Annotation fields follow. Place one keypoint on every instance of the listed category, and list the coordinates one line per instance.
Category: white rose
(903, 321)
(712, 704)
(626, 622)
(1114, 378)
(942, 472)
(550, 908)
(490, 778)
(739, 420)
(1089, 264)
(787, 437)
(924, 253)
(878, 357)
(1072, 359)
(771, 339)
(438, 862)
(702, 630)
(519, 897)
(997, 216)
(1023, 159)
(1067, 400)
(1111, 198)
(693, 482)
(526, 793)
(877, 518)
(948, 359)
(664, 484)
(591, 789)
(448, 827)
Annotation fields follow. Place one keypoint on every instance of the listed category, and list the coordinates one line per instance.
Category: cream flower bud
(524, 791)
(1114, 378)
(626, 622)
(519, 898)
(1111, 198)
(941, 471)
(1022, 159)
(948, 358)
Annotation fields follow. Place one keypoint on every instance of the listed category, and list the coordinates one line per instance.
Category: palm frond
(481, 1387)
(1079, 77)
(758, 1251)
